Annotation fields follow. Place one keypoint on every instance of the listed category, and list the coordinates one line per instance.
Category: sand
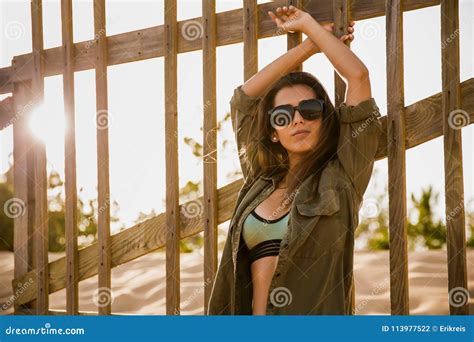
(139, 286)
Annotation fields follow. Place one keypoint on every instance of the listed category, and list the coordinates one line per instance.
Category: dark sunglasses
(283, 115)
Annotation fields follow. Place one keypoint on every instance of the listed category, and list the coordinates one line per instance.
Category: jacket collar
(274, 177)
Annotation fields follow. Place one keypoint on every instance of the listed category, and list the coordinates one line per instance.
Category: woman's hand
(290, 19)
(313, 48)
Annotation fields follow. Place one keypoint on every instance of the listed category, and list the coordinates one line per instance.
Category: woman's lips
(301, 134)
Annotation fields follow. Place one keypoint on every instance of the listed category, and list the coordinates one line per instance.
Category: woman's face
(296, 143)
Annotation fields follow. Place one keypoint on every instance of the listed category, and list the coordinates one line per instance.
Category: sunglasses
(283, 115)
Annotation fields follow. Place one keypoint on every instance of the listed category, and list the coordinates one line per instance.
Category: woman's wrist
(311, 25)
(310, 47)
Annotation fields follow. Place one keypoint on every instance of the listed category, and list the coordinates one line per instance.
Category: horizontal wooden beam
(6, 112)
(27, 312)
(423, 123)
(424, 119)
(148, 43)
(134, 242)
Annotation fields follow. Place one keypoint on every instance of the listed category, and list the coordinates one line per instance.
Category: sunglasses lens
(281, 116)
(311, 109)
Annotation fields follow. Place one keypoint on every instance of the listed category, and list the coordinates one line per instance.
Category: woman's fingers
(345, 37)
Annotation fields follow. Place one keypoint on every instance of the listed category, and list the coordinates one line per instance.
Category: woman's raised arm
(346, 63)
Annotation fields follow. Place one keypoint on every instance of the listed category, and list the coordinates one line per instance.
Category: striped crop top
(263, 236)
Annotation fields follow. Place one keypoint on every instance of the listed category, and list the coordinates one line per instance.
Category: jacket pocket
(327, 204)
(319, 229)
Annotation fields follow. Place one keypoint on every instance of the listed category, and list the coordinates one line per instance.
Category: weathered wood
(102, 121)
(172, 170)
(135, 242)
(149, 43)
(150, 235)
(424, 119)
(19, 207)
(454, 118)
(64, 313)
(396, 160)
(6, 112)
(342, 16)
(72, 269)
(40, 241)
(6, 83)
(209, 147)
(295, 38)
(250, 37)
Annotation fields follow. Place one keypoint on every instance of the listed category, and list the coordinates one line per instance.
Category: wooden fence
(405, 127)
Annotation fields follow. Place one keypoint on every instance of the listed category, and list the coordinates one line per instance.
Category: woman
(306, 166)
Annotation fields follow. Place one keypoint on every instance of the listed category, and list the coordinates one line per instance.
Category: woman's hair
(272, 157)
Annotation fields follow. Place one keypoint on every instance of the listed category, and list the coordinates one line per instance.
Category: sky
(136, 99)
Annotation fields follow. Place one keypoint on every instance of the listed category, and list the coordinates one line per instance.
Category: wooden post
(454, 118)
(102, 121)
(40, 177)
(172, 174)
(294, 39)
(72, 268)
(396, 160)
(210, 146)
(250, 19)
(342, 15)
(21, 206)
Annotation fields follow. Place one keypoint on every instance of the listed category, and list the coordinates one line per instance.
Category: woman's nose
(297, 117)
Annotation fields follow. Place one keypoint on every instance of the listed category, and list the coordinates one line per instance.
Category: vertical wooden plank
(454, 119)
(72, 264)
(342, 14)
(40, 176)
(102, 120)
(295, 38)
(250, 37)
(19, 207)
(396, 159)
(172, 174)
(210, 146)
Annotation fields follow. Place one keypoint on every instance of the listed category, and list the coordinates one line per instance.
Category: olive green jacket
(314, 271)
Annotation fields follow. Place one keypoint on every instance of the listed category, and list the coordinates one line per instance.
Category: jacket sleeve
(243, 110)
(358, 141)
(220, 298)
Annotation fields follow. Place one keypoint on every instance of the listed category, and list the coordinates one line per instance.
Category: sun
(47, 122)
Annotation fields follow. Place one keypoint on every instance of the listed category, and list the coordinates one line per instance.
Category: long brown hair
(272, 157)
